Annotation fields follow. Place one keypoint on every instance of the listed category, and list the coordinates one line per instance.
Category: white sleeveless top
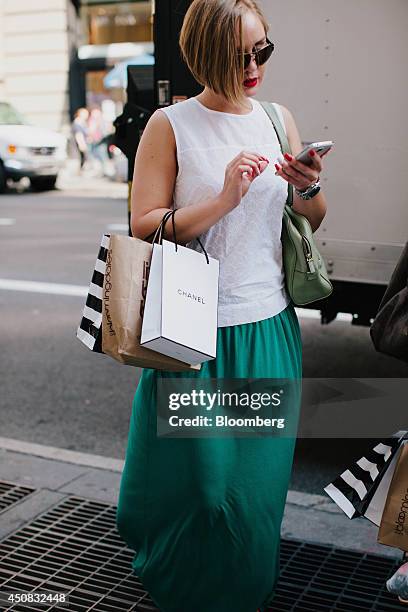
(246, 241)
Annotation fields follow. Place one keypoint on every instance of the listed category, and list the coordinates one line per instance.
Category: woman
(203, 515)
(97, 133)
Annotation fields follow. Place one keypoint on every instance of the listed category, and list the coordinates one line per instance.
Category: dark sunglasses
(261, 55)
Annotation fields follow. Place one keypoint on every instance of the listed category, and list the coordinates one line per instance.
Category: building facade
(36, 42)
(54, 54)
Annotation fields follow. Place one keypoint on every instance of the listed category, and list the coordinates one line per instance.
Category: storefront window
(115, 22)
(110, 33)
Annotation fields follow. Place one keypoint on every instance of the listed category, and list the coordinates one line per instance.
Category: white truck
(29, 151)
(340, 67)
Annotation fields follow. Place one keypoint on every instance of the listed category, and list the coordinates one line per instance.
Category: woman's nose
(253, 60)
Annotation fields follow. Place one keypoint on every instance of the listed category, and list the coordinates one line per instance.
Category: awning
(117, 77)
(115, 52)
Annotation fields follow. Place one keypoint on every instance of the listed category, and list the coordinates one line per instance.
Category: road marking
(82, 291)
(62, 454)
(307, 313)
(118, 227)
(38, 287)
(7, 221)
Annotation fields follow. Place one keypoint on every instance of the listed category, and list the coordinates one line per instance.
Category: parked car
(29, 151)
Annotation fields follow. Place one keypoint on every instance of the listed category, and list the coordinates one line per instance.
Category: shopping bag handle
(160, 228)
(172, 214)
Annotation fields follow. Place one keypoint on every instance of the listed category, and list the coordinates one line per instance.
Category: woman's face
(254, 38)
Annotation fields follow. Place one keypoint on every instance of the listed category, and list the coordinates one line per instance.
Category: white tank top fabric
(246, 241)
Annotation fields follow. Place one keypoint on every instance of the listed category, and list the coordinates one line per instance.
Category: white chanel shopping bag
(180, 317)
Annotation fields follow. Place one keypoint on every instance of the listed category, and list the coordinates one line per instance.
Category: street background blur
(56, 54)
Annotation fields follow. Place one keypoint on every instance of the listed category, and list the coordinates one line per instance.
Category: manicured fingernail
(277, 166)
(288, 157)
(312, 153)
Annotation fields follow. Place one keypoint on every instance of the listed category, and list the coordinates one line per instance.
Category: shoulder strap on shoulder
(281, 134)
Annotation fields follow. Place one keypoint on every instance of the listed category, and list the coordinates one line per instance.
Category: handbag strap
(271, 111)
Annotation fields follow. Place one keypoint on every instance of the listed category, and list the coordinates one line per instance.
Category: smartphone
(319, 147)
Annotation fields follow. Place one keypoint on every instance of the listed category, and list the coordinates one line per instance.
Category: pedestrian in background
(97, 130)
(80, 131)
(203, 515)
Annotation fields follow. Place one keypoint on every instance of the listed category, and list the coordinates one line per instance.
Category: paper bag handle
(172, 214)
(160, 228)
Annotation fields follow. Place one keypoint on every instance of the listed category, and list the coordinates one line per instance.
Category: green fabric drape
(203, 515)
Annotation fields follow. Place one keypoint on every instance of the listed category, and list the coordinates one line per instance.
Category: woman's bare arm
(153, 185)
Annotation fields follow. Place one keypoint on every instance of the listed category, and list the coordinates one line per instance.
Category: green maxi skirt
(203, 515)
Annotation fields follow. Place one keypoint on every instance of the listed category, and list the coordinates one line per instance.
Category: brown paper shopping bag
(123, 300)
(394, 522)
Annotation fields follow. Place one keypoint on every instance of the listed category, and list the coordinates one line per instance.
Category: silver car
(29, 151)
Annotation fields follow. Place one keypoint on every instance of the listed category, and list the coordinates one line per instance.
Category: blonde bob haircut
(209, 39)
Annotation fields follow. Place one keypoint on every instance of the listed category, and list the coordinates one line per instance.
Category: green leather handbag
(306, 276)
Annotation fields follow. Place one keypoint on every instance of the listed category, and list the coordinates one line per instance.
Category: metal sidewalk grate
(326, 579)
(75, 548)
(11, 493)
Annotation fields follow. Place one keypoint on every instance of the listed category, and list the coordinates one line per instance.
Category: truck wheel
(44, 183)
(3, 180)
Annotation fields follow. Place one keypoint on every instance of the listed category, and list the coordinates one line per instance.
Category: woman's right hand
(239, 174)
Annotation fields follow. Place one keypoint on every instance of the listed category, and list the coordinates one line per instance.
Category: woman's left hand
(298, 174)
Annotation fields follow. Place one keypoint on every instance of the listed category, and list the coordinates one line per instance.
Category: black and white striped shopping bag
(89, 331)
(354, 489)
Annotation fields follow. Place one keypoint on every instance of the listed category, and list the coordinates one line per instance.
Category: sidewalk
(89, 183)
(58, 478)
